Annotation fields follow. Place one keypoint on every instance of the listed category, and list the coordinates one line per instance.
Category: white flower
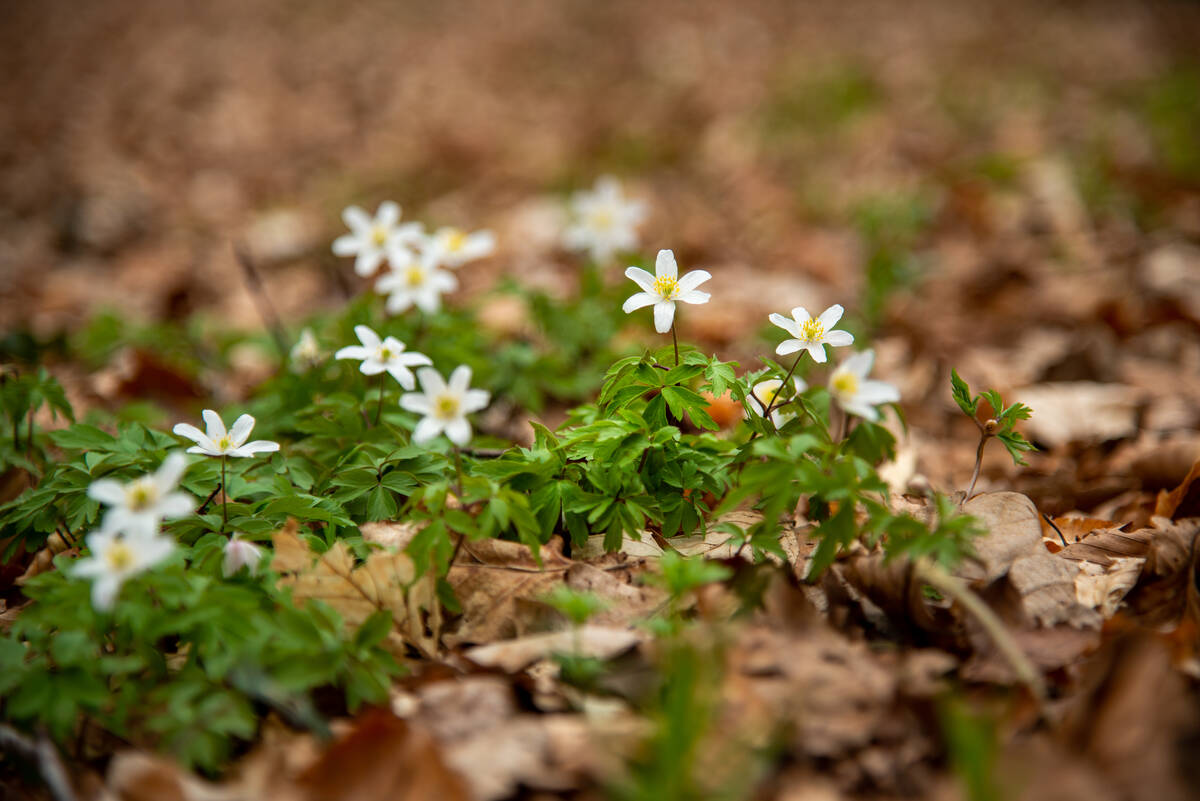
(387, 354)
(116, 558)
(417, 281)
(306, 353)
(664, 289)
(604, 222)
(240, 553)
(454, 248)
(855, 393)
(370, 240)
(445, 406)
(140, 505)
(763, 394)
(811, 333)
(219, 442)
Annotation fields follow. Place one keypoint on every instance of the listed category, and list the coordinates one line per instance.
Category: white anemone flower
(812, 333)
(604, 222)
(116, 558)
(371, 238)
(664, 289)
(380, 355)
(137, 507)
(763, 395)
(452, 247)
(857, 394)
(306, 353)
(419, 282)
(219, 442)
(240, 553)
(444, 405)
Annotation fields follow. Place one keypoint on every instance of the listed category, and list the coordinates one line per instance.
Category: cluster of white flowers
(419, 263)
(603, 222)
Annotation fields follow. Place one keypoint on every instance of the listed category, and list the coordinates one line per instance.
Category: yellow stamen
(455, 241)
(379, 236)
(140, 495)
(666, 287)
(119, 556)
(385, 354)
(445, 407)
(225, 443)
(415, 276)
(602, 219)
(811, 330)
(845, 383)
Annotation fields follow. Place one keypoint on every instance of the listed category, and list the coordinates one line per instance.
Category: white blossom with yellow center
(217, 441)
(240, 553)
(139, 506)
(764, 393)
(664, 289)
(114, 559)
(306, 353)
(380, 355)
(444, 405)
(812, 334)
(419, 282)
(857, 394)
(372, 239)
(603, 221)
(452, 247)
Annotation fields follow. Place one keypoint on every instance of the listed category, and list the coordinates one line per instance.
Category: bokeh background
(1012, 188)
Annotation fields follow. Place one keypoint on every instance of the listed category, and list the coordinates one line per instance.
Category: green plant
(1001, 425)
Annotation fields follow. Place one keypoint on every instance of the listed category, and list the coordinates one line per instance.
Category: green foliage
(1002, 424)
(21, 396)
(971, 740)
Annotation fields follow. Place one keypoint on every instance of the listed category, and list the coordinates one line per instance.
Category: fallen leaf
(1045, 584)
(1181, 501)
(1013, 529)
(600, 642)
(1167, 590)
(1103, 588)
(1079, 411)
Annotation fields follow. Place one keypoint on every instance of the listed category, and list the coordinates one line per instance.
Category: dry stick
(957, 589)
(266, 310)
(43, 752)
(209, 499)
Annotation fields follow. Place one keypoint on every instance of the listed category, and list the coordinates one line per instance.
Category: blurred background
(1009, 187)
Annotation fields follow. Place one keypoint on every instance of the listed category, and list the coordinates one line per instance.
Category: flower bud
(991, 427)
(240, 553)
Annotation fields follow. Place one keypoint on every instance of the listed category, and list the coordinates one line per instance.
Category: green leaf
(962, 394)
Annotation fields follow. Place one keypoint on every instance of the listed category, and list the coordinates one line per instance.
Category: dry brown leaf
(138, 776)
(1014, 529)
(1045, 585)
(43, 560)
(1167, 589)
(1079, 411)
(391, 535)
(386, 581)
(1182, 501)
(600, 642)
(1103, 588)
(1102, 546)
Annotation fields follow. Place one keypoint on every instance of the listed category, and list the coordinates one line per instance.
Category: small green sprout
(1001, 425)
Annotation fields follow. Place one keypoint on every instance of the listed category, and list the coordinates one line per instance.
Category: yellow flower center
(445, 407)
(379, 236)
(602, 219)
(385, 354)
(119, 556)
(455, 241)
(225, 443)
(415, 276)
(811, 330)
(666, 287)
(845, 383)
(141, 495)
(767, 392)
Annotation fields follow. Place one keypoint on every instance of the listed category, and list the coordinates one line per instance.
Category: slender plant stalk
(675, 342)
(379, 409)
(225, 489)
(786, 379)
(956, 588)
(458, 471)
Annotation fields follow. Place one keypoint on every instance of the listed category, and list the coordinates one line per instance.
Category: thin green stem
(458, 469)
(983, 438)
(379, 409)
(675, 342)
(225, 504)
(783, 386)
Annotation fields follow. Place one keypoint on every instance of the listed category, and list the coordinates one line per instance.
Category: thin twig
(675, 342)
(209, 499)
(266, 309)
(928, 572)
(1057, 531)
(782, 386)
(42, 752)
(983, 438)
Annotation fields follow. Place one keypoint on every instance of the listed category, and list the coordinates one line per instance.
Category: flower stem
(675, 342)
(783, 386)
(225, 503)
(458, 471)
(983, 438)
(379, 409)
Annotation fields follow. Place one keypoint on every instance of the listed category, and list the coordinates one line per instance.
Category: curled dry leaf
(1013, 529)
(1167, 592)
(1184, 500)
(599, 642)
(385, 581)
(43, 560)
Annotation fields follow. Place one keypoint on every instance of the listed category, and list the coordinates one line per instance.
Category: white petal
(346, 245)
(368, 261)
(367, 336)
(189, 431)
(241, 429)
(170, 471)
(108, 491)
(664, 316)
(785, 323)
(863, 410)
(154, 550)
(209, 449)
(87, 568)
(695, 296)
(458, 431)
(255, 447)
(475, 399)
(416, 402)
(403, 375)
(104, 592)
(388, 214)
(431, 381)
(665, 266)
(799, 383)
(399, 256)
(214, 424)
(352, 352)
(479, 244)
(371, 366)
(693, 279)
(640, 277)
(817, 352)
(176, 504)
(800, 315)
(830, 316)
(859, 363)
(413, 359)
(839, 339)
(460, 380)
(789, 346)
(356, 219)
(427, 429)
(638, 301)
(399, 301)
(877, 392)
(428, 299)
